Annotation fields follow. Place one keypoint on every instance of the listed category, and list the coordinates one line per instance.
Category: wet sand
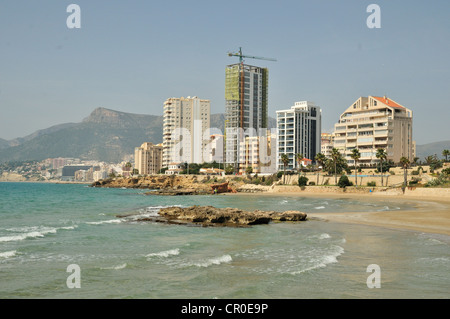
(431, 214)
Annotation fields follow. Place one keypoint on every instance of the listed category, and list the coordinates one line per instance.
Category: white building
(299, 132)
(174, 169)
(373, 123)
(215, 149)
(185, 122)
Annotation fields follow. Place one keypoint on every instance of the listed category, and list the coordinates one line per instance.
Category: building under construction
(246, 103)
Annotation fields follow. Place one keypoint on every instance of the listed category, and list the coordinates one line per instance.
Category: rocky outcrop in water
(165, 185)
(212, 216)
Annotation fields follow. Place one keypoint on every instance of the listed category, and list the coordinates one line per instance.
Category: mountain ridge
(104, 135)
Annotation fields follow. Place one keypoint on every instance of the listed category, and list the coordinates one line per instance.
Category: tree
(320, 159)
(356, 155)
(446, 153)
(344, 181)
(404, 162)
(299, 159)
(335, 155)
(285, 161)
(381, 155)
(248, 170)
(229, 169)
(433, 162)
(302, 181)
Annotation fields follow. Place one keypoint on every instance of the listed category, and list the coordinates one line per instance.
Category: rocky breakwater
(160, 184)
(212, 216)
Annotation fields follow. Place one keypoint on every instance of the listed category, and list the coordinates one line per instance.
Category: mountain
(432, 148)
(105, 135)
(3, 143)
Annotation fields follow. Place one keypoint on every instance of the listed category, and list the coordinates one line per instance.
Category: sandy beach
(432, 213)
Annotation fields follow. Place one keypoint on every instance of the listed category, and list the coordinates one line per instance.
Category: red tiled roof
(387, 101)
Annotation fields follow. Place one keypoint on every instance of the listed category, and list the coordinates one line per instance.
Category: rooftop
(388, 101)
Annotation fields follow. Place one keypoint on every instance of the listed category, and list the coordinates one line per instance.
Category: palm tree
(355, 155)
(446, 153)
(299, 159)
(429, 159)
(404, 162)
(320, 159)
(285, 160)
(335, 155)
(381, 155)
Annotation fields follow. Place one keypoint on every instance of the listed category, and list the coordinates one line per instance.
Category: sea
(65, 241)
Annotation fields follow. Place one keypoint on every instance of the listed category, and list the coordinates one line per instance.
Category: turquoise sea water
(44, 228)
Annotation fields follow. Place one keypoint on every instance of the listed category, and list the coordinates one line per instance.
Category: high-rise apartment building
(246, 105)
(185, 123)
(375, 122)
(299, 132)
(148, 158)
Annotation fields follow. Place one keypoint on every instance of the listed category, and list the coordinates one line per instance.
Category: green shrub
(371, 184)
(344, 182)
(312, 183)
(302, 181)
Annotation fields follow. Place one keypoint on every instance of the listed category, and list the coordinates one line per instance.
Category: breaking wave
(109, 221)
(214, 261)
(164, 254)
(8, 254)
(32, 232)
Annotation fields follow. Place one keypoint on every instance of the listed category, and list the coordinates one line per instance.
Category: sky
(131, 56)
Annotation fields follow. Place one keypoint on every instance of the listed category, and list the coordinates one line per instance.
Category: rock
(166, 185)
(212, 216)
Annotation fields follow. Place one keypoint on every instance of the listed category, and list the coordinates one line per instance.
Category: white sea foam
(34, 233)
(324, 236)
(8, 254)
(214, 261)
(118, 267)
(164, 254)
(109, 221)
(323, 261)
(319, 207)
(69, 227)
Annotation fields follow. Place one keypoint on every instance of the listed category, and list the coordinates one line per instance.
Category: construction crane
(241, 56)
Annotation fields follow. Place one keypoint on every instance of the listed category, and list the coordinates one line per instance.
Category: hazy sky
(131, 56)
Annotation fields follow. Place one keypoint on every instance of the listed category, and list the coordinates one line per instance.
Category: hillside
(432, 148)
(105, 135)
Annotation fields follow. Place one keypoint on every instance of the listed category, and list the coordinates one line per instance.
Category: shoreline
(432, 213)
